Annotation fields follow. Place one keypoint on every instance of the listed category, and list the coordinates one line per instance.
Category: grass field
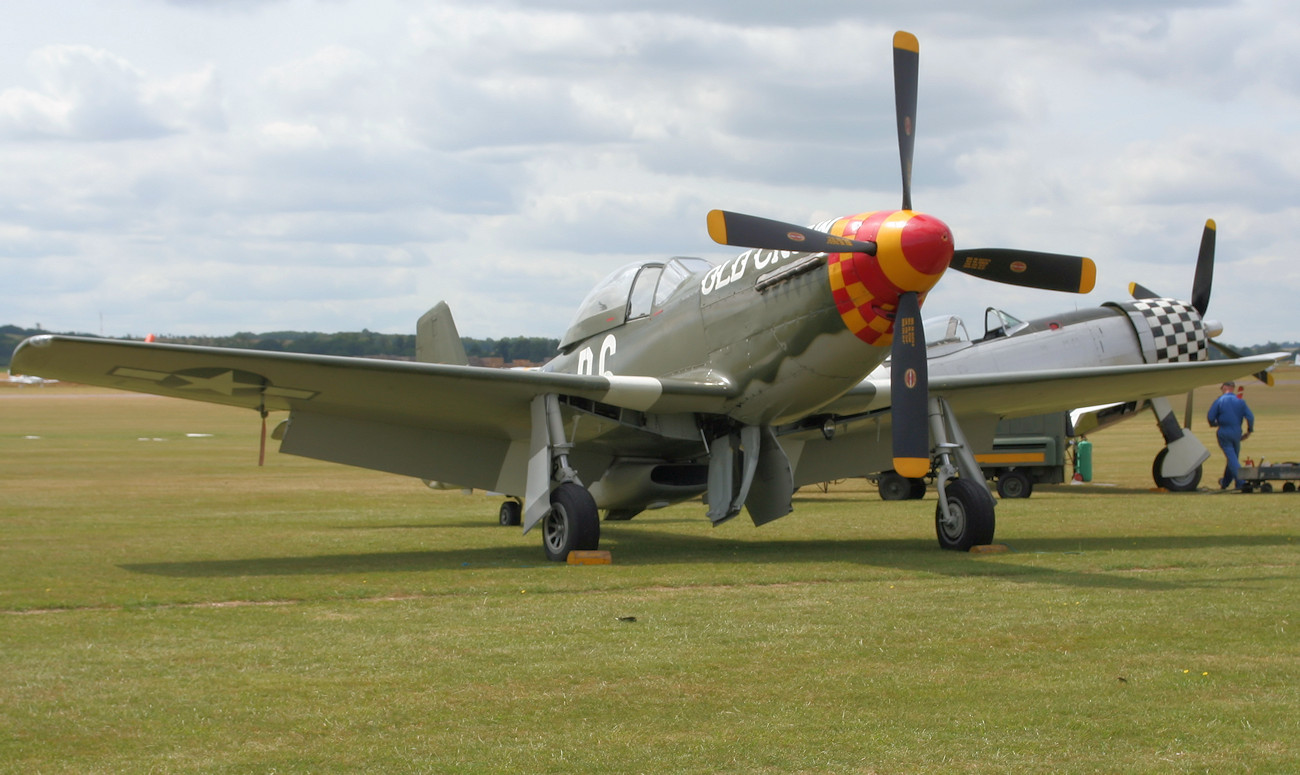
(168, 606)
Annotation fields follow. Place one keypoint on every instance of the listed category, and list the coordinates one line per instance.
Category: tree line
(364, 344)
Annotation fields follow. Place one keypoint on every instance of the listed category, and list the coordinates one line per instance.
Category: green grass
(168, 606)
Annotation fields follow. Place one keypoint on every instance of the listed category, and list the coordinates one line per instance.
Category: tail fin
(436, 338)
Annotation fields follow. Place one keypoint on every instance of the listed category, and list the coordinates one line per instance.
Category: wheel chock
(990, 549)
(589, 557)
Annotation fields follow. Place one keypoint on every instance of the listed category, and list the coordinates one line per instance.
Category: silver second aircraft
(1149, 329)
(673, 381)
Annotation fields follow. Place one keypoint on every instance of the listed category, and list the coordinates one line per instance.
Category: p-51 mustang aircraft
(672, 381)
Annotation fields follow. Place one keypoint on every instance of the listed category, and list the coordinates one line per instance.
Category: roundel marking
(1018, 266)
(909, 378)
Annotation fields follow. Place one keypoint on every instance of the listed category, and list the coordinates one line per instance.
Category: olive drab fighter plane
(671, 383)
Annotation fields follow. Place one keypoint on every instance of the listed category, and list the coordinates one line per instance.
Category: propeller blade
(750, 231)
(1204, 269)
(907, 67)
(909, 390)
(1263, 376)
(1140, 291)
(1029, 268)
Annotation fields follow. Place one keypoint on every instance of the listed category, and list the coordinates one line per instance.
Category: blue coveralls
(1226, 414)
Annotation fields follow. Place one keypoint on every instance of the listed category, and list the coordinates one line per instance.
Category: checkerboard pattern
(1177, 328)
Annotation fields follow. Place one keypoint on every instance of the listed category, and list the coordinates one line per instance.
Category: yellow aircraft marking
(1012, 457)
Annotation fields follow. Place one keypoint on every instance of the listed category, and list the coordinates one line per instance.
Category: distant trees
(364, 343)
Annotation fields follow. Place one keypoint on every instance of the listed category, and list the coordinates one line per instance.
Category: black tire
(972, 522)
(1187, 483)
(573, 524)
(1266, 487)
(1288, 487)
(918, 489)
(893, 487)
(1015, 483)
(511, 514)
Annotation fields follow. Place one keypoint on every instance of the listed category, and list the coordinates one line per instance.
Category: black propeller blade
(1028, 268)
(1204, 268)
(907, 67)
(909, 390)
(750, 231)
(1204, 273)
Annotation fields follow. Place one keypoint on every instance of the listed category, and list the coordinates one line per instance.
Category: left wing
(462, 424)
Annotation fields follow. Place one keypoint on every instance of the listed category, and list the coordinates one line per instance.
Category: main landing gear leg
(964, 516)
(1177, 467)
(554, 495)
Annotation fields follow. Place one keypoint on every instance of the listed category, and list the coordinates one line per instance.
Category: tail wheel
(510, 514)
(893, 487)
(1015, 484)
(1185, 483)
(971, 522)
(573, 523)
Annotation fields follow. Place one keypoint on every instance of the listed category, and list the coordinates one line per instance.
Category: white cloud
(85, 93)
(363, 160)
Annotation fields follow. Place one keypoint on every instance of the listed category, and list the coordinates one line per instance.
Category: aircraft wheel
(893, 487)
(510, 514)
(573, 523)
(972, 522)
(1015, 484)
(1186, 483)
(918, 489)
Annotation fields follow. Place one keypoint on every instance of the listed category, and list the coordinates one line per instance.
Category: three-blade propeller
(909, 379)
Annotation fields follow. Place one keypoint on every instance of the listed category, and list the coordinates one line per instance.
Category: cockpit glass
(999, 323)
(948, 328)
(631, 291)
(675, 273)
(643, 291)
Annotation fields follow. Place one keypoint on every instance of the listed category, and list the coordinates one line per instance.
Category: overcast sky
(207, 167)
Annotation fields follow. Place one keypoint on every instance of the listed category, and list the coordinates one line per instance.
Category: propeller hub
(913, 250)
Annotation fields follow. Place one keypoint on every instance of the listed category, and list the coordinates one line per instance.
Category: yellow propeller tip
(907, 41)
(1088, 277)
(1211, 225)
(718, 226)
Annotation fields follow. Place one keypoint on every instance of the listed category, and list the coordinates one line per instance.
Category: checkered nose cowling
(1170, 331)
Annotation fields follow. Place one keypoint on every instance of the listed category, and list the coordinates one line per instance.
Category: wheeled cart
(1262, 476)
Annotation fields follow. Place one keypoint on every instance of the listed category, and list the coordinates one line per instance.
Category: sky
(210, 167)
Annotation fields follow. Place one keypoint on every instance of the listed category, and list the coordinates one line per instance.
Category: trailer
(1026, 451)
(1261, 477)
